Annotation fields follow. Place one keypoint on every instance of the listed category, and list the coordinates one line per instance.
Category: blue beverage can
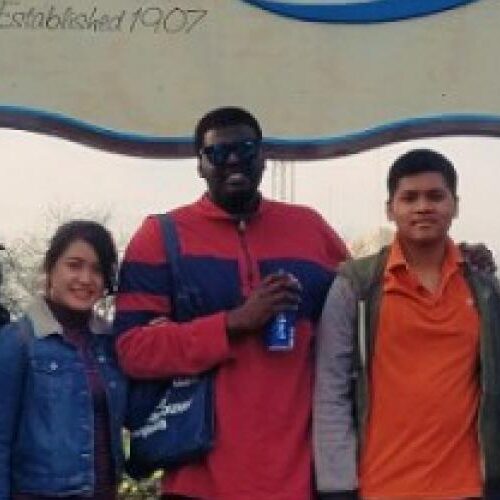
(280, 331)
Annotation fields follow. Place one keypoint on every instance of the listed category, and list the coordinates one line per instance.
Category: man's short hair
(228, 116)
(419, 161)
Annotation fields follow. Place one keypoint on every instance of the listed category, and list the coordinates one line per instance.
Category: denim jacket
(46, 417)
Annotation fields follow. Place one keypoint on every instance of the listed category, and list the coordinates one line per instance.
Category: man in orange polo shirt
(407, 402)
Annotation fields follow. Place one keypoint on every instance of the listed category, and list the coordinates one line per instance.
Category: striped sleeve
(149, 343)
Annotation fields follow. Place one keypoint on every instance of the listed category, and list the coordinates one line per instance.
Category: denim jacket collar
(45, 324)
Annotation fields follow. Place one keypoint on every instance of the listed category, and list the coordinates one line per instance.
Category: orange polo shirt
(422, 439)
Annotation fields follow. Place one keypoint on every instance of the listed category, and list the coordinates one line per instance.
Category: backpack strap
(366, 276)
(365, 273)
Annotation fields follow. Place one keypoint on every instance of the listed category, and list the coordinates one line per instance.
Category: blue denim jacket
(46, 418)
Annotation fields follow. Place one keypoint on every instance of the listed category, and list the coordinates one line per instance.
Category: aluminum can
(280, 331)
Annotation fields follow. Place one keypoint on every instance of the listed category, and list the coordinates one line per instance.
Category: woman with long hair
(63, 396)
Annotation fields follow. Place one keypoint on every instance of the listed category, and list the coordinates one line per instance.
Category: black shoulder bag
(171, 422)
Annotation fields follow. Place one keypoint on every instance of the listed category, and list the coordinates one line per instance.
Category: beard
(241, 203)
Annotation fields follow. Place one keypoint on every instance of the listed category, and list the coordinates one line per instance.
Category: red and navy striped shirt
(263, 399)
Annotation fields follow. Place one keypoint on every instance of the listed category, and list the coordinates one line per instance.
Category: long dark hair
(93, 233)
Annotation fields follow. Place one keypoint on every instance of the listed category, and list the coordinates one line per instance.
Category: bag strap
(186, 298)
(172, 247)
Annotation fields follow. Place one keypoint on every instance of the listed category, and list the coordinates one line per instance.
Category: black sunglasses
(218, 154)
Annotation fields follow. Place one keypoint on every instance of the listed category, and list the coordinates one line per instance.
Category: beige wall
(153, 67)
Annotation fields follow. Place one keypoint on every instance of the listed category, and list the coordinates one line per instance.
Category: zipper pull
(242, 225)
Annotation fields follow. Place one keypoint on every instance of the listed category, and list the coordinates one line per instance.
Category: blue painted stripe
(360, 12)
(462, 119)
(431, 120)
(74, 123)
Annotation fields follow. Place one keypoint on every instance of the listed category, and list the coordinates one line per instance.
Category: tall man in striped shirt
(249, 258)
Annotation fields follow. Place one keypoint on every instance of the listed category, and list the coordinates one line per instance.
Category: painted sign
(325, 78)
(354, 11)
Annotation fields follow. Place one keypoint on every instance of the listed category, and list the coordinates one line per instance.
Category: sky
(42, 174)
